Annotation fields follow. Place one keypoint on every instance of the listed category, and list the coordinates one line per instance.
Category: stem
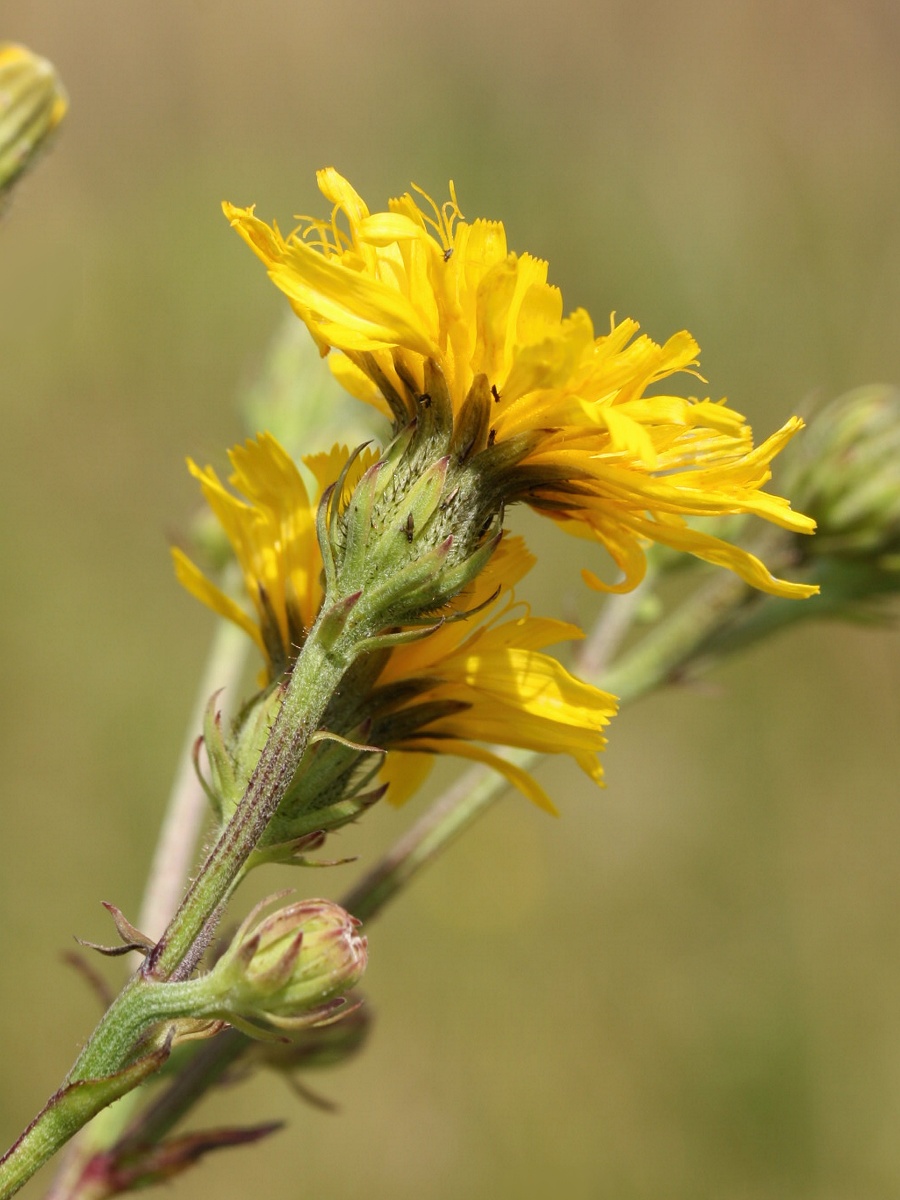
(610, 630)
(85, 1092)
(172, 859)
(663, 654)
(187, 807)
(316, 674)
(139, 1006)
(447, 818)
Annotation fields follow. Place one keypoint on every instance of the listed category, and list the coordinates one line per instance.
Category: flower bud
(846, 478)
(287, 970)
(32, 104)
(843, 473)
(846, 474)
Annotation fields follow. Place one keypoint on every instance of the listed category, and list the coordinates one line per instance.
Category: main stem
(176, 846)
(316, 674)
(176, 849)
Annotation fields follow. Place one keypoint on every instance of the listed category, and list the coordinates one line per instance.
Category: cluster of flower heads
(416, 300)
(477, 680)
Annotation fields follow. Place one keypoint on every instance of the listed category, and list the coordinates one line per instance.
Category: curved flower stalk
(583, 426)
(477, 677)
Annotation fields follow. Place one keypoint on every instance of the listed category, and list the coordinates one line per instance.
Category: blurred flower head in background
(32, 104)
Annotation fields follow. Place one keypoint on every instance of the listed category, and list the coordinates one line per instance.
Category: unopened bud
(844, 473)
(32, 104)
(847, 475)
(287, 971)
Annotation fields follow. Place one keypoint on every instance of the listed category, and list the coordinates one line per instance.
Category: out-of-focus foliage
(688, 985)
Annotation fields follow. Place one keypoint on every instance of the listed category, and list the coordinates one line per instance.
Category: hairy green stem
(188, 806)
(317, 673)
(105, 1070)
(175, 849)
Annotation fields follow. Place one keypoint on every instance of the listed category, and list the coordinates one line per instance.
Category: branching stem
(110, 1049)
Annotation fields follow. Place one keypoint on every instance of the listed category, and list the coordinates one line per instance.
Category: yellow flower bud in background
(32, 104)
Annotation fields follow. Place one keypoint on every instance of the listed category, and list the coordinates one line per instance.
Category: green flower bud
(32, 104)
(291, 963)
(843, 472)
(286, 971)
(846, 475)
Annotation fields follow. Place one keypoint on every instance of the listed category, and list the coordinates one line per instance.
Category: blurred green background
(687, 987)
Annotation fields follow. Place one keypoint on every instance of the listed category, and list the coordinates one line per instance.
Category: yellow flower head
(273, 535)
(475, 679)
(494, 686)
(417, 292)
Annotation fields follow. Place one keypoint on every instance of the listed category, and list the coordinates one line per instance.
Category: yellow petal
(193, 579)
(525, 783)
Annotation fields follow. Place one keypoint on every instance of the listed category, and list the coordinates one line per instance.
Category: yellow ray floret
(393, 290)
(507, 692)
(271, 526)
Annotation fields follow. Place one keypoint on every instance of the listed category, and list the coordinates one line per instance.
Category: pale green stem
(449, 817)
(663, 654)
